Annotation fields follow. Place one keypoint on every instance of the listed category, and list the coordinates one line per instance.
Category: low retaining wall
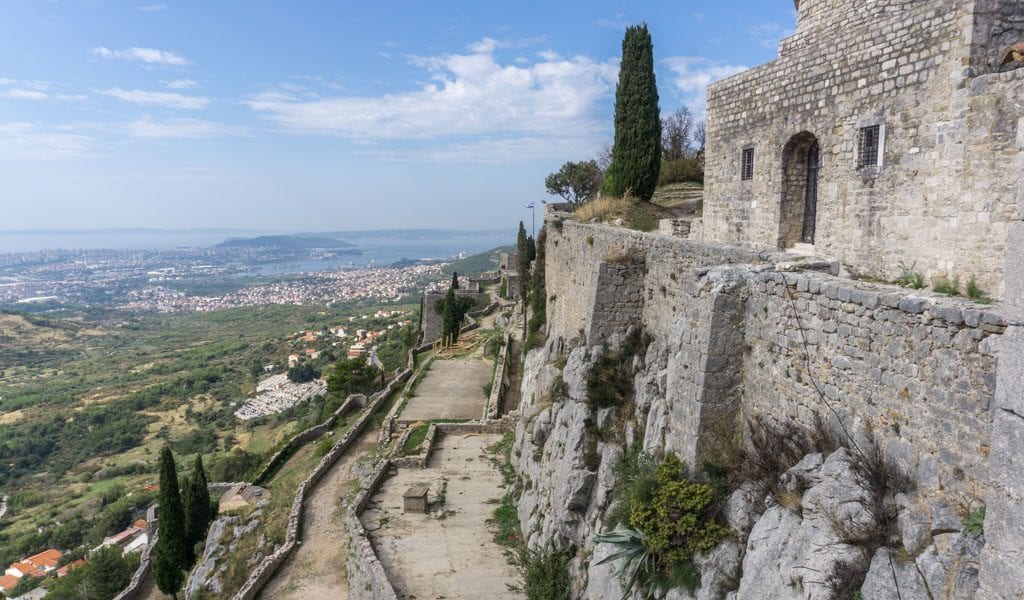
(266, 569)
(499, 383)
(388, 427)
(367, 579)
(133, 591)
(312, 433)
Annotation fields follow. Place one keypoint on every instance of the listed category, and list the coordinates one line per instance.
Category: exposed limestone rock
(206, 575)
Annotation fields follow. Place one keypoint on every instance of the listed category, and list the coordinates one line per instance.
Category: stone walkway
(452, 389)
(316, 568)
(449, 552)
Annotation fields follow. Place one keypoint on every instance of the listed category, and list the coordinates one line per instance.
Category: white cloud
(20, 94)
(693, 75)
(468, 95)
(147, 55)
(153, 7)
(769, 34)
(26, 140)
(165, 99)
(181, 128)
(181, 84)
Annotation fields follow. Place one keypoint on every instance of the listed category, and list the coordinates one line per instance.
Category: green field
(86, 404)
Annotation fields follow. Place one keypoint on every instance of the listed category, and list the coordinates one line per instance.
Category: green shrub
(670, 520)
(610, 382)
(974, 524)
(974, 292)
(680, 170)
(909, 277)
(546, 574)
(945, 285)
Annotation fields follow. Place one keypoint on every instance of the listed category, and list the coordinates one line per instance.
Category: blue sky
(317, 116)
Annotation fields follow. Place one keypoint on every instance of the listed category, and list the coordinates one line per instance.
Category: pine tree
(171, 562)
(106, 573)
(455, 281)
(636, 154)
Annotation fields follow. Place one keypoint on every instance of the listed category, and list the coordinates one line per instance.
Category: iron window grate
(867, 146)
(747, 168)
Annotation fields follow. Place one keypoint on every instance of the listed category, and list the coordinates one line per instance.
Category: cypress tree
(450, 329)
(523, 262)
(455, 280)
(198, 513)
(636, 153)
(185, 484)
(171, 552)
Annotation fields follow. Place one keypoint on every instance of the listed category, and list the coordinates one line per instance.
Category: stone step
(802, 249)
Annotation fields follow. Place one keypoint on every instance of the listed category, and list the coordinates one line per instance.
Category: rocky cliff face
(804, 547)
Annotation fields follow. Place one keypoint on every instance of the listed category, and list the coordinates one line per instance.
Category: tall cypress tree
(636, 153)
(455, 280)
(523, 262)
(171, 561)
(450, 328)
(198, 510)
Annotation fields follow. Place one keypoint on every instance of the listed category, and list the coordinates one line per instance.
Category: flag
(530, 205)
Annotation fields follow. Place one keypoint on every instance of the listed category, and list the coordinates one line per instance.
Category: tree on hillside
(523, 262)
(352, 376)
(453, 310)
(636, 154)
(677, 134)
(303, 373)
(108, 572)
(199, 511)
(171, 562)
(575, 181)
(455, 280)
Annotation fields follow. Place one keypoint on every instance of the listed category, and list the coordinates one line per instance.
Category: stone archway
(798, 209)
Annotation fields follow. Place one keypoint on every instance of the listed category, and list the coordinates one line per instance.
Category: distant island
(288, 242)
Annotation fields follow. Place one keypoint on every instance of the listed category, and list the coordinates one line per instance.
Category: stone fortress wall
(949, 182)
(742, 333)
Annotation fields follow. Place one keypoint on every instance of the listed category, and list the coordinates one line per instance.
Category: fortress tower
(887, 135)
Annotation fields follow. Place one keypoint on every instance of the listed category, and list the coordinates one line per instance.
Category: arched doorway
(798, 211)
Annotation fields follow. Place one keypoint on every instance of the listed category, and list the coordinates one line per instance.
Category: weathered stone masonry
(916, 369)
(948, 182)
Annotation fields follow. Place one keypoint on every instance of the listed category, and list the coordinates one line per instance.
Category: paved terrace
(452, 389)
(448, 552)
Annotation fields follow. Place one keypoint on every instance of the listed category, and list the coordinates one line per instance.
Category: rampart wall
(746, 333)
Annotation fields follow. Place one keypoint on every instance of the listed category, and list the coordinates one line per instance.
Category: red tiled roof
(71, 566)
(7, 582)
(46, 558)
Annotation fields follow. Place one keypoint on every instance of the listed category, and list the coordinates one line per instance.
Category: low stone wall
(500, 382)
(387, 428)
(312, 433)
(367, 579)
(134, 589)
(265, 570)
(219, 487)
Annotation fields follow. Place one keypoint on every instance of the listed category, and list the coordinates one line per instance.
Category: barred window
(868, 146)
(747, 167)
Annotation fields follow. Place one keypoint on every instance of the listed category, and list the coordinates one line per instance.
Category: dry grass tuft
(602, 209)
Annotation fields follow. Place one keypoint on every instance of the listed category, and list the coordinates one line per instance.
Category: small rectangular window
(747, 168)
(868, 146)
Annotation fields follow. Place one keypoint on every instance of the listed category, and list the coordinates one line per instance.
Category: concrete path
(316, 568)
(450, 552)
(452, 389)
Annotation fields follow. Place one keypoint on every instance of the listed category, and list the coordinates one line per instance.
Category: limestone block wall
(917, 369)
(913, 369)
(948, 185)
(366, 576)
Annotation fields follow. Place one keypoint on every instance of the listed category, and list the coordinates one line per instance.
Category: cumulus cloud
(469, 94)
(181, 128)
(693, 74)
(27, 140)
(150, 56)
(165, 99)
